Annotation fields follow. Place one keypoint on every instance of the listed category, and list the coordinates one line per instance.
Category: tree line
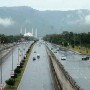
(13, 38)
(69, 38)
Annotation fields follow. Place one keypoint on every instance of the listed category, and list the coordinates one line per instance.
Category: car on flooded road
(63, 58)
(34, 58)
(38, 56)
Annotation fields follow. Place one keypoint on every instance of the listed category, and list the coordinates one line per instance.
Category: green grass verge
(86, 51)
(18, 79)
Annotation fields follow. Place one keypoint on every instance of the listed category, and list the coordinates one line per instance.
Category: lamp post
(22, 50)
(1, 84)
(74, 41)
(18, 64)
(12, 71)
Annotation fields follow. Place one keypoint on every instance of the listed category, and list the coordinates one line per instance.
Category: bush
(27, 51)
(21, 64)
(73, 46)
(10, 82)
(15, 75)
(17, 70)
(24, 57)
(23, 61)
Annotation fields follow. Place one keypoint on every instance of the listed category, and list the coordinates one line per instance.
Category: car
(34, 58)
(85, 58)
(55, 51)
(51, 48)
(38, 55)
(63, 58)
(34, 51)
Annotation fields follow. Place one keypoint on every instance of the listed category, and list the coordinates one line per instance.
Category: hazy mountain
(13, 18)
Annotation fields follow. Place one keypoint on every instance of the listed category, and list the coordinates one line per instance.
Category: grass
(18, 79)
(77, 48)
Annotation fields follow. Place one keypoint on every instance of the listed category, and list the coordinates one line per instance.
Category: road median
(63, 78)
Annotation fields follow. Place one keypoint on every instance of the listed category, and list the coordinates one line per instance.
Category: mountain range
(13, 19)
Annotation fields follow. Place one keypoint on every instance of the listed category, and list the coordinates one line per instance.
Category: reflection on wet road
(37, 74)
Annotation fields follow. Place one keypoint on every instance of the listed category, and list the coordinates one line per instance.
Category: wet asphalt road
(7, 61)
(37, 74)
(79, 70)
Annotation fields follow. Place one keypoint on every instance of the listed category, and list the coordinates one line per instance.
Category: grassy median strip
(18, 79)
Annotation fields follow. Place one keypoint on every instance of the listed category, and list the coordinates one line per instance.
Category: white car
(63, 58)
(38, 55)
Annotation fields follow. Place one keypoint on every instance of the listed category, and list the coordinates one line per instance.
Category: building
(28, 33)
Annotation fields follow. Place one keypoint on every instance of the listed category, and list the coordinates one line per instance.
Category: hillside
(13, 18)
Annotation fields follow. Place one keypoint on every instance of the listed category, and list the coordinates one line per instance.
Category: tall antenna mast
(36, 32)
(25, 30)
(21, 31)
(32, 31)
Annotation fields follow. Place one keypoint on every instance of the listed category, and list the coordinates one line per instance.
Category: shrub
(23, 61)
(10, 82)
(24, 57)
(17, 70)
(15, 75)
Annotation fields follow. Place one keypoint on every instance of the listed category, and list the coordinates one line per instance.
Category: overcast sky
(48, 4)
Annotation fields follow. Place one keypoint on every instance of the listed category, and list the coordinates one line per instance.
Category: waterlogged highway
(7, 60)
(78, 69)
(37, 75)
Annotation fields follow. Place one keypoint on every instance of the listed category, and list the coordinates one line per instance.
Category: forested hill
(47, 22)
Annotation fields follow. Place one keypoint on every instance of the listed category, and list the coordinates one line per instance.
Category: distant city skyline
(48, 4)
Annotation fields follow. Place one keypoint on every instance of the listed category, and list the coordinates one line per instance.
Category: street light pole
(12, 71)
(12, 58)
(22, 50)
(1, 67)
(18, 64)
(1, 85)
(1, 71)
(74, 41)
(18, 54)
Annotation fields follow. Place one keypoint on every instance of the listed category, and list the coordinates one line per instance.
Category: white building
(28, 33)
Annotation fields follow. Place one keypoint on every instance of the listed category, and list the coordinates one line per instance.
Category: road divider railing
(66, 82)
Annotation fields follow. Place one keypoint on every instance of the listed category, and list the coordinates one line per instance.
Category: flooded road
(7, 60)
(78, 69)
(37, 75)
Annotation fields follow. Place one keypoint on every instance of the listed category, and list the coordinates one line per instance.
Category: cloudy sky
(48, 4)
